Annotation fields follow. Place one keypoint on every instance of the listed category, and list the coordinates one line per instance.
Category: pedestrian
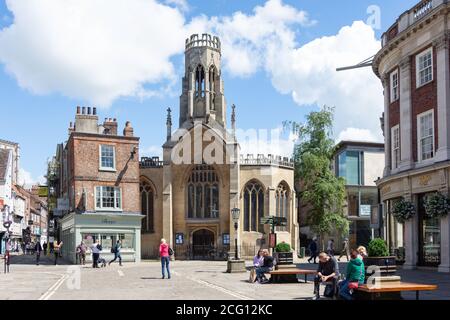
(362, 252)
(266, 267)
(23, 248)
(116, 250)
(258, 261)
(38, 250)
(52, 247)
(96, 248)
(57, 250)
(345, 251)
(165, 258)
(81, 252)
(355, 276)
(44, 246)
(313, 251)
(330, 247)
(327, 272)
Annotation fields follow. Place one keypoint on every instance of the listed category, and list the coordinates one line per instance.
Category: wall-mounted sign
(365, 210)
(63, 203)
(106, 221)
(226, 238)
(179, 238)
(272, 240)
(43, 192)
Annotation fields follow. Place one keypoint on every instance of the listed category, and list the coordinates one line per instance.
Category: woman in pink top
(165, 258)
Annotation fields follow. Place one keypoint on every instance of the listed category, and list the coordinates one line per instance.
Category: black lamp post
(7, 224)
(235, 213)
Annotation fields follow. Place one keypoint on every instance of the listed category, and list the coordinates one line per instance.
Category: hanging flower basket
(436, 205)
(403, 210)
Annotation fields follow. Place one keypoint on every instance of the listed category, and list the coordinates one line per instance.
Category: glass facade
(349, 167)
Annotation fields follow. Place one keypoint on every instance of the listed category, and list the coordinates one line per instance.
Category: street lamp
(235, 213)
(6, 212)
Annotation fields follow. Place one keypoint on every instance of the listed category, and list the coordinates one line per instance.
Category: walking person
(81, 252)
(355, 276)
(116, 250)
(96, 248)
(165, 258)
(57, 250)
(330, 247)
(44, 246)
(313, 250)
(52, 246)
(38, 250)
(345, 251)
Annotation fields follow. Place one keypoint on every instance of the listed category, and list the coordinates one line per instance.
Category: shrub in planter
(437, 205)
(377, 248)
(403, 210)
(283, 247)
(283, 254)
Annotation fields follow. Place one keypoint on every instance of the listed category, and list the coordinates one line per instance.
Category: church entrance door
(202, 244)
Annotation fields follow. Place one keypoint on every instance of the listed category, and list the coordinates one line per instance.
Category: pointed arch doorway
(203, 241)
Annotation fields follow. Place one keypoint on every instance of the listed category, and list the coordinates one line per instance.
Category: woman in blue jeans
(355, 274)
(165, 258)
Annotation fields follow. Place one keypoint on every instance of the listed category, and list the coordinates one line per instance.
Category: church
(188, 196)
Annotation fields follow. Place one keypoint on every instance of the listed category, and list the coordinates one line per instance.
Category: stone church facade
(187, 196)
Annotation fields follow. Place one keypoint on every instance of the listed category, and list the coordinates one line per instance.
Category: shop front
(420, 241)
(107, 228)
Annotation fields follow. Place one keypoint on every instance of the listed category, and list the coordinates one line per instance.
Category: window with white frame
(108, 198)
(424, 67)
(107, 157)
(395, 145)
(425, 125)
(394, 86)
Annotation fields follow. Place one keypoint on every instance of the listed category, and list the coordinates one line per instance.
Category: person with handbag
(355, 276)
(116, 250)
(165, 258)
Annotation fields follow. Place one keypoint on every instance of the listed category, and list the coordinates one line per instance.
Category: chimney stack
(83, 110)
(128, 131)
(89, 110)
(110, 127)
(78, 109)
(94, 111)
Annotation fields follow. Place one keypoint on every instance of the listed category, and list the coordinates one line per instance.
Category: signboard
(365, 210)
(376, 213)
(179, 238)
(63, 204)
(43, 192)
(226, 238)
(272, 240)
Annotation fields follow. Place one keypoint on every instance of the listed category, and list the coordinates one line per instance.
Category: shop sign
(365, 210)
(106, 221)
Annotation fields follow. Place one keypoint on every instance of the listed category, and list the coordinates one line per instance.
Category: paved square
(191, 280)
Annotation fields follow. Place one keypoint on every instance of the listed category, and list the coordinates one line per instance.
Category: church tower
(202, 97)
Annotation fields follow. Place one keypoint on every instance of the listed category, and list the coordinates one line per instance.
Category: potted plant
(437, 205)
(379, 256)
(283, 254)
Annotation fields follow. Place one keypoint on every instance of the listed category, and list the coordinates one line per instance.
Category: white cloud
(152, 151)
(265, 142)
(96, 50)
(355, 134)
(26, 179)
(181, 4)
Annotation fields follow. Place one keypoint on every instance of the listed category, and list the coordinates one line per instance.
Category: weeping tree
(321, 190)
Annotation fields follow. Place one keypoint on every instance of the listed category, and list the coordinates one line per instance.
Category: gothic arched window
(147, 208)
(212, 87)
(199, 81)
(253, 207)
(203, 193)
(282, 203)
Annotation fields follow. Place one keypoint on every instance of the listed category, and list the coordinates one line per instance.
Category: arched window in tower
(282, 203)
(212, 87)
(253, 207)
(203, 193)
(199, 81)
(147, 201)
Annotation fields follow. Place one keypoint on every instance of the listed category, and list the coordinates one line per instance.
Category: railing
(152, 162)
(205, 41)
(269, 160)
(422, 9)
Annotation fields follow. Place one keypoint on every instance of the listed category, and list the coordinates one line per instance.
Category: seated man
(266, 267)
(328, 271)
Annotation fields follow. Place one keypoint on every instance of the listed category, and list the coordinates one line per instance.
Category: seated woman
(258, 261)
(354, 276)
(362, 252)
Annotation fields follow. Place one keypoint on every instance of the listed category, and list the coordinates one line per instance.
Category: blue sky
(36, 113)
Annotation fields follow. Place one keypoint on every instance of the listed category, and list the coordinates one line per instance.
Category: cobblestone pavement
(193, 280)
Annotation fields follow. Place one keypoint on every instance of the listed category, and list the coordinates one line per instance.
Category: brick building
(414, 66)
(95, 178)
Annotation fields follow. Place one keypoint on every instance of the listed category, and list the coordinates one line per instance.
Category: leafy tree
(320, 188)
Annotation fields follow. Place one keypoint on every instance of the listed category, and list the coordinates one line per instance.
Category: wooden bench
(396, 287)
(291, 271)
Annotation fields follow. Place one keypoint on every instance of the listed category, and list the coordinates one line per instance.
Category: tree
(320, 188)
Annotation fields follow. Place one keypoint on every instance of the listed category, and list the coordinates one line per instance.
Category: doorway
(202, 243)
(429, 237)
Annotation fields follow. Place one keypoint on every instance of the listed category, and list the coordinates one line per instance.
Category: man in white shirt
(96, 249)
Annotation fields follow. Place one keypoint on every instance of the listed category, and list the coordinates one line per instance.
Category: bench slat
(292, 271)
(397, 287)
